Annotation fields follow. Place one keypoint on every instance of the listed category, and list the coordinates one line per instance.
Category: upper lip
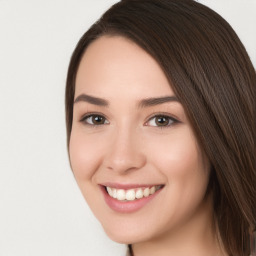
(128, 186)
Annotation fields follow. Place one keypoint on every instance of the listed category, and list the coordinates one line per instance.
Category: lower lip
(127, 206)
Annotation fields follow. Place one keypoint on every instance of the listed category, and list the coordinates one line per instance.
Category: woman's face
(131, 136)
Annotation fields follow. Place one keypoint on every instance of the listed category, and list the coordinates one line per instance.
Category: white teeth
(146, 192)
(114, 193)
(131, 194)
(152, 190)
(120, 194)
(139, 193)
(110, 191)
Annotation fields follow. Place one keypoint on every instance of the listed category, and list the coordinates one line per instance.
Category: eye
(161, 121)
(94, 119)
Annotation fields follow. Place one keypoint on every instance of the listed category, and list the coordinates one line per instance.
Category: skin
(130, 147)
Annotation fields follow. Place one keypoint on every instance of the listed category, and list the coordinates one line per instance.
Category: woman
(160, 112)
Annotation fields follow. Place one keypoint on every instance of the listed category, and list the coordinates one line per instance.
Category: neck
(197, 236)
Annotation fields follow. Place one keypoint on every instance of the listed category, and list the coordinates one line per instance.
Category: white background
(42, 212)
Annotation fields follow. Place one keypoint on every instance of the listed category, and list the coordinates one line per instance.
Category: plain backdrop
(42, 211)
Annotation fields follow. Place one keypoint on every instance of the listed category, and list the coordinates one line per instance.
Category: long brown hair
(212, 75)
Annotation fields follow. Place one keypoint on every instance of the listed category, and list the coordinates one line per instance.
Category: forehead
(114, 64)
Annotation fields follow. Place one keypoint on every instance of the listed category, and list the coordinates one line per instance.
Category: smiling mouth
(132, 194)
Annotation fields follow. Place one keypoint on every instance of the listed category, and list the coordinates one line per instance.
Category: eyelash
(85, 118)
(171, 121)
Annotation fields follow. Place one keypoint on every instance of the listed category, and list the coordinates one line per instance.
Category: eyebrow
(142, 104)
(156, 101)
(91, 99)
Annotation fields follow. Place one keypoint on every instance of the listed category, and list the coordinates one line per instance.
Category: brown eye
(161, 121)
(98, 120)
(94, 120)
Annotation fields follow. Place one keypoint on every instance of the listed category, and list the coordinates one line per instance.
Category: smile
(129, 198)
(132, 194)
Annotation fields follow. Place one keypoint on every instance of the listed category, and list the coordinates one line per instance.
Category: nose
(125, 152)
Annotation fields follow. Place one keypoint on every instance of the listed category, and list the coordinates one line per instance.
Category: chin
(129, 234)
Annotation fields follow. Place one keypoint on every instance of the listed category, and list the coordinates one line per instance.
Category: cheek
(177, 154)
(85, 155)
(181, 162)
